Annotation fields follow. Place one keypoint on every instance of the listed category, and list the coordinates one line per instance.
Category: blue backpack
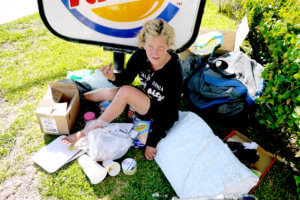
(228, 83)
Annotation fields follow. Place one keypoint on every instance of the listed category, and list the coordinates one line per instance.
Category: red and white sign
(116, 23)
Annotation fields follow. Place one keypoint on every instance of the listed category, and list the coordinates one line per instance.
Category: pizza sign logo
(119, 18)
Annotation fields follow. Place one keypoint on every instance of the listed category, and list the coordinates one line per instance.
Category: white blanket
(197, 163)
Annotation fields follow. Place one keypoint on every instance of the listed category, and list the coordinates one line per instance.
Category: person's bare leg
(126, 95)
(123, 96)
(136, 99)
(101, 94)
(97, 95)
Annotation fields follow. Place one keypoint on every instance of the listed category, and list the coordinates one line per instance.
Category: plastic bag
(91, 125)
(109, 143)
(208, 42)
(79, 74)
(97, 80)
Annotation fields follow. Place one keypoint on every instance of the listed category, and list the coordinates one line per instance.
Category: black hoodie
(162, 86)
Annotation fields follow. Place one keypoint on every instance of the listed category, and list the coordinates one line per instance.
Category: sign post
(114, 24)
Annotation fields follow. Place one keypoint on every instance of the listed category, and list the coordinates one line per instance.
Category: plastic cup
(113, 168)
(95, 172)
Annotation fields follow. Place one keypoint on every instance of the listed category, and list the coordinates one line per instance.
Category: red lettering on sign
(75, 3)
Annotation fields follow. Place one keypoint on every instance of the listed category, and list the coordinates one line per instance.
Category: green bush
(274, 37)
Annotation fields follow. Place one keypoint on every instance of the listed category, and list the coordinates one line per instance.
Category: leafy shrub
(274, 37)
(231, 8)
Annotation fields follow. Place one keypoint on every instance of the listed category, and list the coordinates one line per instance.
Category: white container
(113, 168)
(129, 166)
(94, 171)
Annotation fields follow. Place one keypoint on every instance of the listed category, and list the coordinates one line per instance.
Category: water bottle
(94, 171)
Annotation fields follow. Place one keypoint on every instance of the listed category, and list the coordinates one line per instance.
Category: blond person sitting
(157, 98)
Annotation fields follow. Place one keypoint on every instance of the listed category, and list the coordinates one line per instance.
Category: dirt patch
(21, 186)
(6, 114)
(22, 183)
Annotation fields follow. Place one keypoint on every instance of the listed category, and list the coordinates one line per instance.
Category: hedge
(274, 37)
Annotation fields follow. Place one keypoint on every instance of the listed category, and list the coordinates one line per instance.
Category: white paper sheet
(54, 155)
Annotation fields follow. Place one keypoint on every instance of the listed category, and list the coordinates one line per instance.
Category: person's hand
(150, 152)
(108, 72)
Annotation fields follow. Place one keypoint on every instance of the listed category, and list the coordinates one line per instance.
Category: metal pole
(118, 61)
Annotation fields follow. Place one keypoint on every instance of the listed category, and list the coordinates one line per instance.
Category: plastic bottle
(94, 171)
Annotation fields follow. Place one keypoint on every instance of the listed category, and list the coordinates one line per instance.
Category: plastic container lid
(89, 116)
(129, 166)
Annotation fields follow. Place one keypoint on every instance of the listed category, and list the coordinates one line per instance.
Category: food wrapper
(142, 127)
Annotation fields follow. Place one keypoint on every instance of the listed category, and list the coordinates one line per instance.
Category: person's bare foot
(150, 152)
(72, 138)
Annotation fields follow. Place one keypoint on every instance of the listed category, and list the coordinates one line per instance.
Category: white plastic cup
(113, 168)
(129, 166)
(94, 171)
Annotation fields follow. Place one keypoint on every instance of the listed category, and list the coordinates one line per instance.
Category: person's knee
(125, 92)
(87, 96)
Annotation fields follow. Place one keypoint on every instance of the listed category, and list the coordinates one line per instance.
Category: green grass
(30, 56)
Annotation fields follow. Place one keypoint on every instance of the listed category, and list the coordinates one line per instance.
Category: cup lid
(89, 116)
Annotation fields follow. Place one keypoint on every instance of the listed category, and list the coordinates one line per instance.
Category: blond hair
(156, 27)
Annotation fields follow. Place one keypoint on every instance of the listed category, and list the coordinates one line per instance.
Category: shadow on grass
(27, 86)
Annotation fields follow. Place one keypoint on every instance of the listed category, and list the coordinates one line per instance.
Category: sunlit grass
(30, 56)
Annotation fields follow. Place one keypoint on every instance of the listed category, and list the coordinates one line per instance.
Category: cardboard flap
(62, 85)
(67, 87)
(52, 96)
(60, 108)
(241, 33)
(45, 110)
(56, 95)
(46, 103)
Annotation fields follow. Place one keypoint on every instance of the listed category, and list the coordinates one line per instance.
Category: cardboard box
(265, 161)
(232, 40)
(58, 110)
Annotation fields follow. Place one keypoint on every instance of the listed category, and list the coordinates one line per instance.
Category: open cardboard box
(232, 40)
(58, 110)
(265, 161)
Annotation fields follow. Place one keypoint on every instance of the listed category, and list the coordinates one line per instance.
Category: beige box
(58, 110)
(266, 159)
(232, 40)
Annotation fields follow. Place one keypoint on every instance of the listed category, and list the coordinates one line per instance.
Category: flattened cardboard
(58, 110)
(232, 40)
(265, 161)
